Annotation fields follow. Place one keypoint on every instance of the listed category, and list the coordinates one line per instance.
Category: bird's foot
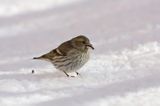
(69, 75)
(77, 73)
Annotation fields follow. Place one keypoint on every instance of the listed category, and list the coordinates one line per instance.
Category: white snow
(123, 69)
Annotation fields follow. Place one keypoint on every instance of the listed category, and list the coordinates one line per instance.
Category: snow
(14, 7)
(123, 69)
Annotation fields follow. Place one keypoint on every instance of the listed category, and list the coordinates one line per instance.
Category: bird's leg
(66, 74)
(77, 73)
(70, 76)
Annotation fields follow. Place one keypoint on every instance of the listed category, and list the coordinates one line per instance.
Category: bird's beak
(90, 45)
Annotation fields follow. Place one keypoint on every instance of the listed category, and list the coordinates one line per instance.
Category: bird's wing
(65, 47)
(62, 50)
(49, 55)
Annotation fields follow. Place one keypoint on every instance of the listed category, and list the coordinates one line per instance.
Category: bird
(69, 56)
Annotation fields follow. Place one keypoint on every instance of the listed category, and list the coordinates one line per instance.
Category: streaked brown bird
(70, 55)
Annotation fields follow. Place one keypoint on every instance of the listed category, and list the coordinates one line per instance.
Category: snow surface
(123, 69)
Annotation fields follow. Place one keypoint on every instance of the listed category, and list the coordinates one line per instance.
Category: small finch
(70, 55)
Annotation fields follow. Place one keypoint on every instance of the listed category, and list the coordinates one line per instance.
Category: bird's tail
(41, 57)
(38, 57)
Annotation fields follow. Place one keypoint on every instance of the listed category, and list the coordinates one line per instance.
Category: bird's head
(81, 43)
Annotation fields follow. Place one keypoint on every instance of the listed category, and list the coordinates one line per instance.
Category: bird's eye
(83, 42)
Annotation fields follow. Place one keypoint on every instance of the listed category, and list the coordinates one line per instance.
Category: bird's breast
(71, 62)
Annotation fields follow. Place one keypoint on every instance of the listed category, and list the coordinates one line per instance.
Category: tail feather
(36, 57)
(41, 57)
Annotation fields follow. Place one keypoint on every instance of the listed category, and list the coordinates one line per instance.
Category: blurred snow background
(123, 70)
(14, 7)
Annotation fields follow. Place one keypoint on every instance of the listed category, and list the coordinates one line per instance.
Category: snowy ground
(124, 67)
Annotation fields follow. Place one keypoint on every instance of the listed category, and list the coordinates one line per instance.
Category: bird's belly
(71, 63)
